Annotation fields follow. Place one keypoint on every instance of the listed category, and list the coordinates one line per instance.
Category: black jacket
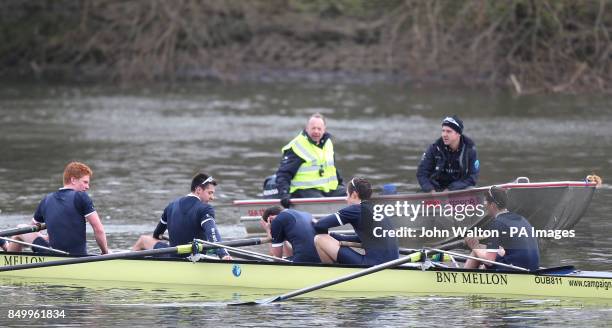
(290, 163)
(433, 171)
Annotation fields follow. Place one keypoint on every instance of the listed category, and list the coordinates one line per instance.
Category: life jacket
(318, 170)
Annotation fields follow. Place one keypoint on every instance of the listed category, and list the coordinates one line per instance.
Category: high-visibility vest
(318, 170)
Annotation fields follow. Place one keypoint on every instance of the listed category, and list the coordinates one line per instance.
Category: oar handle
(19, 231)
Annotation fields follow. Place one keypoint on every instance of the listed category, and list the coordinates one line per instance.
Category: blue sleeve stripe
(202, 224)
(86, 215)
(162, 221)
(338, 217)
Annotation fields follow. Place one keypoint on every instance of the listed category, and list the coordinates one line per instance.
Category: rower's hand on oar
(227, 258)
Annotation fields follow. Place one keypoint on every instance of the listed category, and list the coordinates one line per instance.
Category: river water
(144, 144)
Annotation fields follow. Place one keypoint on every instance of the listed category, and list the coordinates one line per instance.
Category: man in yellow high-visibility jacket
(307, 168)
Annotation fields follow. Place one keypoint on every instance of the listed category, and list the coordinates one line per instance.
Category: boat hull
(555, 205)
(289, 276)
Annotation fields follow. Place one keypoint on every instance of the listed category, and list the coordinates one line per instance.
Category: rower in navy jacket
(359, 214)
(292, 226)
(3, 244)
(66, 213)
(187, 218)
(518, 250)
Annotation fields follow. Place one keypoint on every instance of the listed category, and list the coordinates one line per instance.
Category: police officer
(307, 168)
(450, 163)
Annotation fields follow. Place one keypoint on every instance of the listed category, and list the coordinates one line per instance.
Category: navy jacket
(290, 163)
(295, 227)
(442, 169)
(187, 218)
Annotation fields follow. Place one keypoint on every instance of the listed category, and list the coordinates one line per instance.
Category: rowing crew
(310, 242)
(66, 211)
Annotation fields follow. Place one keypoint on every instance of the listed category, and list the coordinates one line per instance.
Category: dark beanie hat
(453, 122)
(498, 196)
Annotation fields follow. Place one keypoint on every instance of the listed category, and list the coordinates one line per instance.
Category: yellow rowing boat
(411, 278)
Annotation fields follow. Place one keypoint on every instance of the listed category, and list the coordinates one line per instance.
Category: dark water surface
(144, 144)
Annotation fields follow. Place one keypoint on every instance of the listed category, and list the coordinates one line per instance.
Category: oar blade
(258, 302)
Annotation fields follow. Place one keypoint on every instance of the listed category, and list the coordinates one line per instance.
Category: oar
(402, 251)
(244, 251)
(414, 257)
(19, 231)
(509, 266)
(354, 275)
(34, 245)
(181, 249)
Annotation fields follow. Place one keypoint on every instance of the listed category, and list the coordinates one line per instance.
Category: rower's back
(296, 227)
(515, 236)
(64, 213)
(378, 249)
(185, 217)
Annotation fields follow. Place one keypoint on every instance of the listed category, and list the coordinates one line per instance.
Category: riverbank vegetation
(526, 45)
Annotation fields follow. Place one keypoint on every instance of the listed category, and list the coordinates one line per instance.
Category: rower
(307, 168)
(518, 250)
(292, 226)
(359, 214)
(187, 218)
(3, 244)
(65, 213)
(450, 163)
